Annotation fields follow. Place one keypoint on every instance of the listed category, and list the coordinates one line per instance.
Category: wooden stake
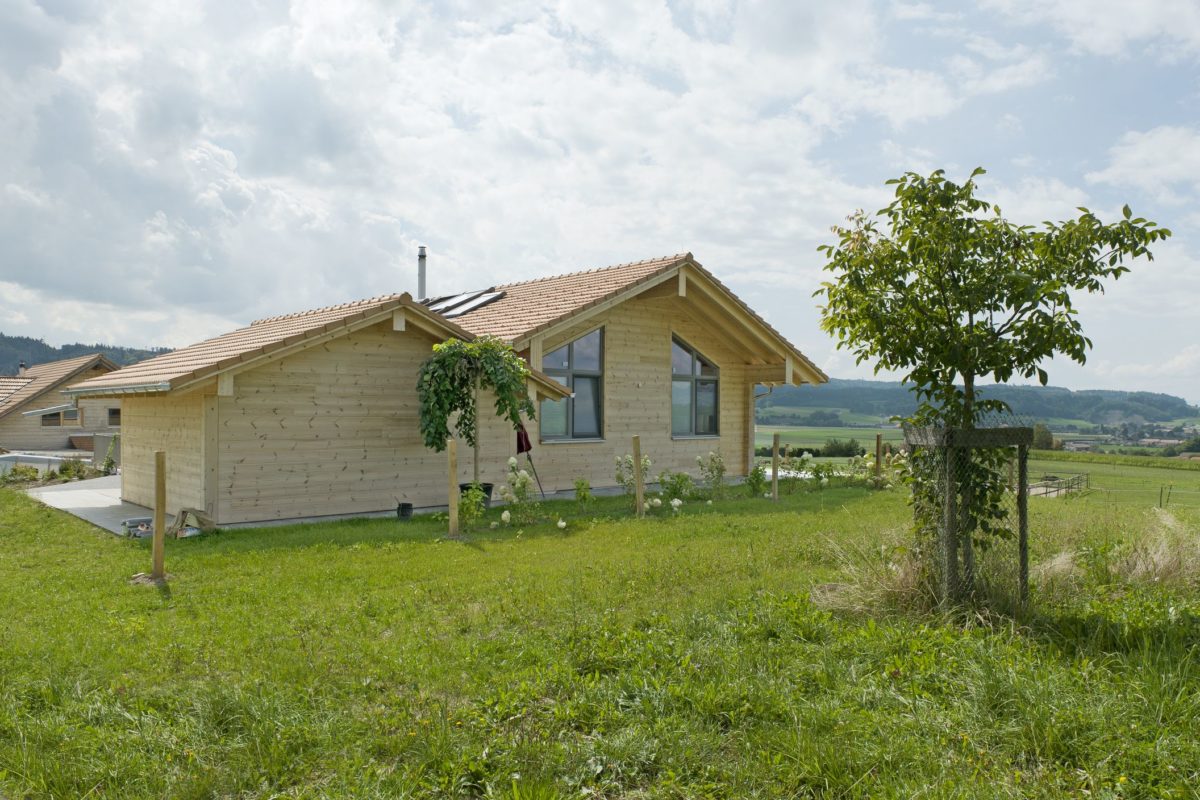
(452, 458)
(639, 486)
(878, 454)
(157, 570)
(775, 467)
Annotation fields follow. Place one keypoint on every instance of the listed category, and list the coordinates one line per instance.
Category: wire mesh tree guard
(971, 508)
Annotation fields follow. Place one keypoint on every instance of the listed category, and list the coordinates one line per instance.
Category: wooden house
(36, 415)
(315, 413)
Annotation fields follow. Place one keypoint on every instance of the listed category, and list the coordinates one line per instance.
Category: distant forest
(15, 349)
(885, 399)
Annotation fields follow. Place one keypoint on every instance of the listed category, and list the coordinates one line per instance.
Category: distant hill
(854, 401)
(15, 349)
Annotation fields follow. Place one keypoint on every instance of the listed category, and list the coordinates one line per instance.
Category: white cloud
(1164, 28)
(1162, 161)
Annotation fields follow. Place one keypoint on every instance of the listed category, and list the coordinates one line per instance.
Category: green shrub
(518, 494)
(583, 494)
(675, 485)
(20, 474)
(756, 481)
(470, 506)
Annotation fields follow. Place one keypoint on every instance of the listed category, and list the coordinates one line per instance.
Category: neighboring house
(1078, 445)
(35, 415)
(316, 413)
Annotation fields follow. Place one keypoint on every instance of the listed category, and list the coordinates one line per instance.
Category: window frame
(112, 411)
(694, 380)
(570, 372)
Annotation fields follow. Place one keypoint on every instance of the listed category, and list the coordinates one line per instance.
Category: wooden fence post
(950, 582)
(639, 485)
(157, 546)
(452, 459)
(878, 456)
(775, 467)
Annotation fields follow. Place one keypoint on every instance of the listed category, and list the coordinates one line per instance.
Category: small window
(114, 418)
(72, 418)
(579, 366)
(695, 389)
(52, 420)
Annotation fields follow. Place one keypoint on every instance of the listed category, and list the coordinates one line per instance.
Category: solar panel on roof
(450, 302)
(471, 305)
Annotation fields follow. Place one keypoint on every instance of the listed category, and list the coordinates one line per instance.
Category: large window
(579, 366)
(695, 384)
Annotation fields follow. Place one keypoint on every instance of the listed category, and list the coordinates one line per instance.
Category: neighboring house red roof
(16, 390)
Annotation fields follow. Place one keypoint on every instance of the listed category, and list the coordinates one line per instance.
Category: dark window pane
(681, 360)
(555, 360)
(51, 420)
(681, 407)
(587, 352)
(705, 368)
(554, 417)
(706, 407)
(587, 407)
(114, 417)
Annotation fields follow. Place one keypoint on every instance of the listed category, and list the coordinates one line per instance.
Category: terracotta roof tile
(530, 305)
(41, 377)
(211, 355)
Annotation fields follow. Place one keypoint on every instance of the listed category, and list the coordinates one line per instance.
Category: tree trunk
(477, 431)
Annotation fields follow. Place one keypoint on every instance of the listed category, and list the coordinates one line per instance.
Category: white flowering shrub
(626, 477)
(518, 494)
(712, 473)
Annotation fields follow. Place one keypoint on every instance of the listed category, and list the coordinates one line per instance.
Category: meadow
(680, 656)
(794, 436)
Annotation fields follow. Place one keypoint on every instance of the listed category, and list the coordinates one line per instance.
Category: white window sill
(687, 437)
(571, 441)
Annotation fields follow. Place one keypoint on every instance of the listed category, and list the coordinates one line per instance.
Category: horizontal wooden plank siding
(173, 424)
(637, 397)
(331, 430)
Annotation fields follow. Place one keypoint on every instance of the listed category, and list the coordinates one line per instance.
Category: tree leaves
(933, 288)
(450, 378)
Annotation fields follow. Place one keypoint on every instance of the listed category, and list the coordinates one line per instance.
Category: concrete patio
(97, 500)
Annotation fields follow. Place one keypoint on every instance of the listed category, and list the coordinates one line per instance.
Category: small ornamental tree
(452, 378)
(941, 288)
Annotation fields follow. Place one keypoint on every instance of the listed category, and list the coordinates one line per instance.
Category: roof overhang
(39, 412)
(771, 359)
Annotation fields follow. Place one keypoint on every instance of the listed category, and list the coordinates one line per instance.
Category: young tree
(451, 379)
(949, 292)
(1043, 439)
(953, 292)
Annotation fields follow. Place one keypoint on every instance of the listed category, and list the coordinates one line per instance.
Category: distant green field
(847, 416)
(796, 436)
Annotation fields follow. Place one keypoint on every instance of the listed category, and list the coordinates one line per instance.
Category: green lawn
(672, 657)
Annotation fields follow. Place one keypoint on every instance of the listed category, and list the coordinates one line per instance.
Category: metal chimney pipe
(21, 368)
(421, 272)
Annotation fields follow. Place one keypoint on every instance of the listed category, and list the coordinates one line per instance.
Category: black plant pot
(487, 492)
(404, 511)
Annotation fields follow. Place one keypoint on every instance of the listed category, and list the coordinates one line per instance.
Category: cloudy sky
(173, 170)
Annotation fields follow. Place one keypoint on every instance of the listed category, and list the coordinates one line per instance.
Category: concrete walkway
(97, 500)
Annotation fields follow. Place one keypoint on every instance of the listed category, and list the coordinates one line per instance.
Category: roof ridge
(61, 361)
(593, 270)
(383, 298)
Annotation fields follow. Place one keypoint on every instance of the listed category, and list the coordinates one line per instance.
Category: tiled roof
(261, 336)
(15, 390)
(264, 336)
(532, 306)
(528, 306)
